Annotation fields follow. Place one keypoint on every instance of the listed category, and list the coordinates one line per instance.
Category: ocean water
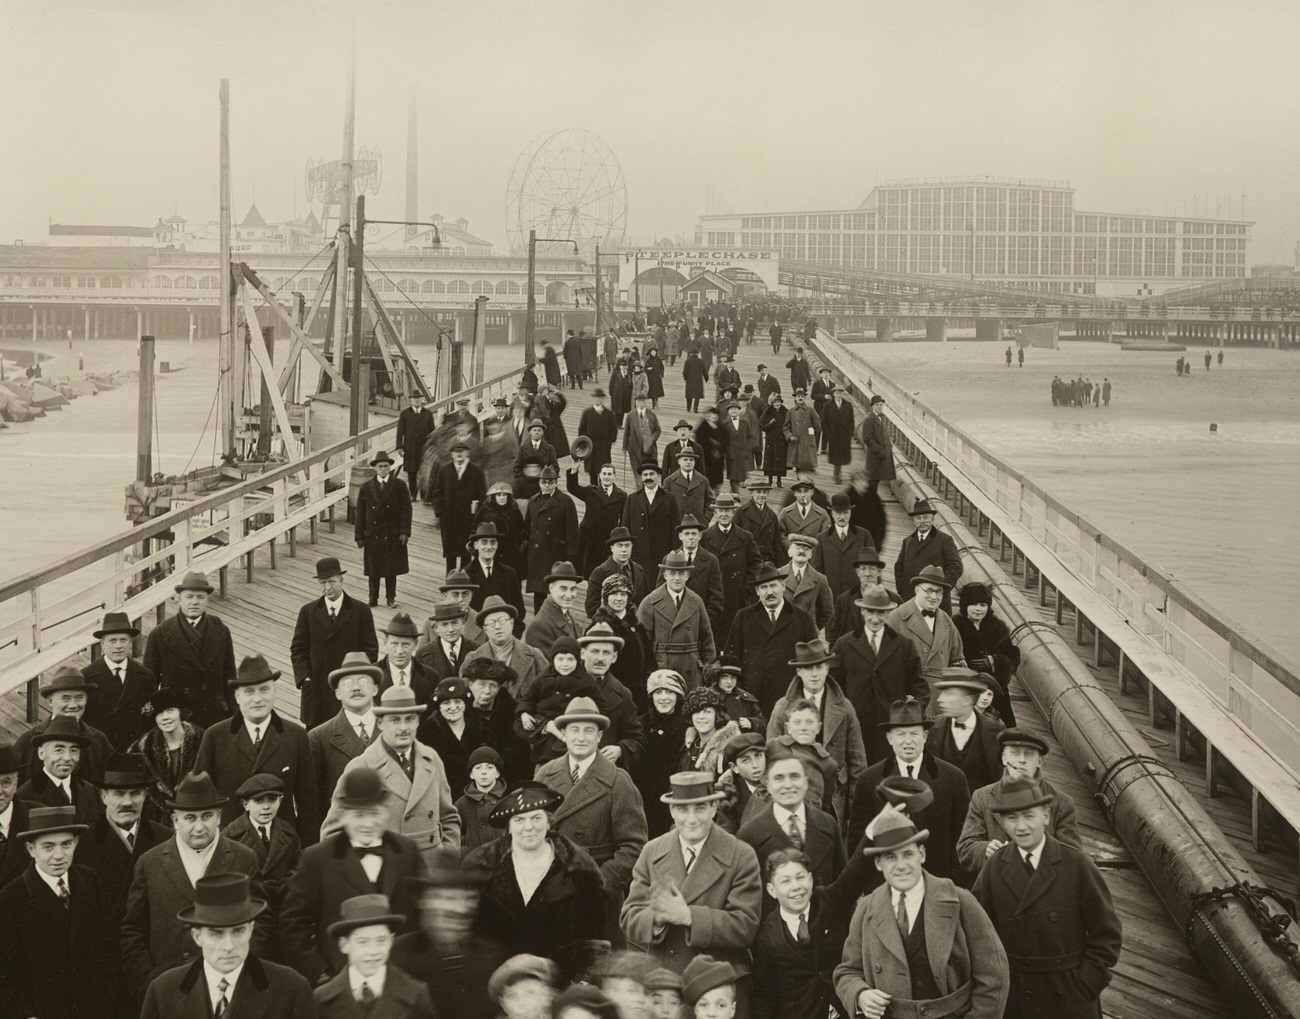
(1210, 509)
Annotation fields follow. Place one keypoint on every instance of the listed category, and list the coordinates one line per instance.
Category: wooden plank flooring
(1156, 976)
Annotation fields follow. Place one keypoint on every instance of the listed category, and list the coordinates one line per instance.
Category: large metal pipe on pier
(1235, 929)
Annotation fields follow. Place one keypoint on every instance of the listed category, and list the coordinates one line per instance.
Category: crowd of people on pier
(722, 764)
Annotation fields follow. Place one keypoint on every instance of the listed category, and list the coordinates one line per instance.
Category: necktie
(911, 770)
(406, 763)
(367, 996)
(266, 836)
(3, 839)
(401, 677)
(927, 613)
(792, 829)
(904, 928)
(369, 851)
(130, 839)
(487, 573)
(223, 1002)
(1029, 862)
(691, 854)
(573, 775)
(66, 898)
(120, 673)
(257, 735)
(334, 613)
(568, 622)
(960, 725)
(875, 642)
(361, 731)
(690, 559)
(772, 613)
(798, 577)
(65, 792)
(802, 937)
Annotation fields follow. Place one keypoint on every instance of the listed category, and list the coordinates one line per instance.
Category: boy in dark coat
(484, 791)
(272, 839)
(364, 934)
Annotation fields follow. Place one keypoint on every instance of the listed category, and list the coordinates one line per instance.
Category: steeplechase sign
(690, 261)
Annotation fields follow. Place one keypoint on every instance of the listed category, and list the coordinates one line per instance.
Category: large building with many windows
(1022, 232)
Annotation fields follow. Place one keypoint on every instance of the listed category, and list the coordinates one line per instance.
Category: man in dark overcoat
(800, 371)
(257, 739)
(56, 945)
(876, 667)
(121, 684)
(573, 360)
(620, 392)
(334, 743)
(599, 424)
(53, 781)
(742, 439)
(66, 694)
(458, 490)
(821, 391)
(692, 489)
(738, 558)
(758, 518)
(879, 446)
(383, 528)
(603, 510)
(327, 630)
(838, 547)
(619, 560)
(194, 651)
(963, 735)
(550, 533)
(837, 430)
(706, 573)
(489, 572)
(651, 516)
(1052, 910)
(675, 448)
(763, 636)
(414, 426)
(13, 817)
(926, 546)
(403, 664)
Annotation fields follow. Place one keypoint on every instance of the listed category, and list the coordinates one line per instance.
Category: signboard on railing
(690, 262)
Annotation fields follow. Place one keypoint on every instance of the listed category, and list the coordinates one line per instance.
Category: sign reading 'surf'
(690, 261)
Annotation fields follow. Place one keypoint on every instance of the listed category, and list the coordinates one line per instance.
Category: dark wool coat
(114, 707)
(635, 657)
(654, 373)
(991, 639)
(318, 647)
(475, 806)
(742, 440)
(1062, 910)
(505, 584)
(982, 762)
(404, 997)
(551, 533)
(383, 518)
(551, 364)
(39, 791)
(600, 515)
(201, 667)
(540, 456)
(13, 854)
(328, 874)
(452, 501)
(713, 440)
(413, 430)
(564, 916)
(226, 752)
(456, 976)
(674, 449)
(821, 842)
(551, 411)
(837, 431)
(694, 494)
(94, 755)
(763, 649)
(434, 732)
(56, 961)
(509, 521)
(982, 826)
(696, 374)
(938, 549)
(738, 561)
(763, 526)
(635, 574)
(653, 527)
(800, 373)
(620, 393)
(573, 356)
(833, 558)
(102, 850)
(847, 617)
(665, 736)
(278, 860)
(776, 452)
(601, 427)
(767, 386)
(879, 447)
(332, 745)
(872, 683)
(264, 990)
(152, 746)
(869, 514)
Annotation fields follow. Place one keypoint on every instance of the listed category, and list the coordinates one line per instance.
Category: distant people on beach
(1080, 392)
(1207, 360)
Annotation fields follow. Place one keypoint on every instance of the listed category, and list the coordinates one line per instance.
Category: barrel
(359, 476)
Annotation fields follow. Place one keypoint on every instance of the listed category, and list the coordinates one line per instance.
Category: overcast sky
(111, 108)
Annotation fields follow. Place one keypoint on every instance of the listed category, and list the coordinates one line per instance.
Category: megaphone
(581, 448)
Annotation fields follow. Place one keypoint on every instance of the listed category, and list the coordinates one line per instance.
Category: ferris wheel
(567, 184)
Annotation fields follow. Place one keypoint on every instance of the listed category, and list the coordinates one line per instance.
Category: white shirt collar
(687, 849)
(915, 899)
(1035, 854)
(264, 725)
(122, 833)
(333, 604)
(63, 783)
(792, 920)
(782, 815)
(376, 982)
(53, 882)
(915, 765)
(368, 719)
(214, 979)
(582, 766)
(7, 820)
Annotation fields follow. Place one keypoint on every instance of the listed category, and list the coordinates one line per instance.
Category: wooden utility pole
(360, 392)
(598, 295)
(343, 241)
(144, 413)
(228, 417)
(531, 314)
(266, 419)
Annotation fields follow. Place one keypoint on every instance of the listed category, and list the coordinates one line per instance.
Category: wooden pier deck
(1157, 975)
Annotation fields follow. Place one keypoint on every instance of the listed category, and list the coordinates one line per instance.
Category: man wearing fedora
(706, 574)
(228, 981)
(695, 888)
(942, 808)
(255, 739)
(677, 624)
(837, 429)
(763, 637)
(879, 446)
(490, 575)
(13, 817)
(499, 620)
(742, 439)
(602, 810)
(363, 856)
(876, 667)
(153, 936)
(847, 617)
(414, 426)
(802, 515)
(458, 489)
(66, 694)
(557, 614)
(926, 546)
(441, 657)
(598, 424)
(400, 665)
(805, 587)
(327, 629)
(334, 743)
(918, 944)
(53, 781)
(417, 800)
(683, 443)
(550, 533)
(1052, 910)
(121, 685)
(457, 589)
(694, 494)
(619, 561)
(603, 509)
(534, 455)
(839, 546)
(1022, 759)
(756, 517)
(641, 429)
(56, 944)
(383, 527)
(924, 621)
(651, 516)
(964, 736)
(194, 651)
(369, 986)
(738, 558)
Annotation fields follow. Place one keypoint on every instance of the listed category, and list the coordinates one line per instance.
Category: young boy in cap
(271, 838)
(365, 931)
(665, 990)
(554, 690)
(484, 791)
(1052, 910)
(746, 796)
(709, 988)
(524, 987)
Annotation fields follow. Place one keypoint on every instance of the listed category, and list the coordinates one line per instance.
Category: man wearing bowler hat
(598, 424)
(763, 638)
(383, 527)
(490, 574)
(676, 622)
(414, 426)
(1052, 910)
(229, 981)
(837, 429)
(942, 808)
(683, 443)
(121, 685)
(194, 651)
(362, 857)
(66, 694)
(550, 533)
(651, 516)
(56, 944)
(257, 739)
(534, 455)
(695, 889)
(334, 743)
(53, 781)
(919, 945)
(163, 884)
(839, 545)
(458, 489)
(924, 621)
(619, 561)
(327, 629)
(400, 666)
(641, 429)
(417, 798)
(879, 446)
(926, 546)
(369, 985)
(447, 647)
(706, 574)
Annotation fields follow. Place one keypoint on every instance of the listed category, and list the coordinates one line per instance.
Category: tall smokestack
(412, 168)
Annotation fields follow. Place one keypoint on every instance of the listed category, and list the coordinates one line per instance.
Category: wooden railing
(47, 616)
